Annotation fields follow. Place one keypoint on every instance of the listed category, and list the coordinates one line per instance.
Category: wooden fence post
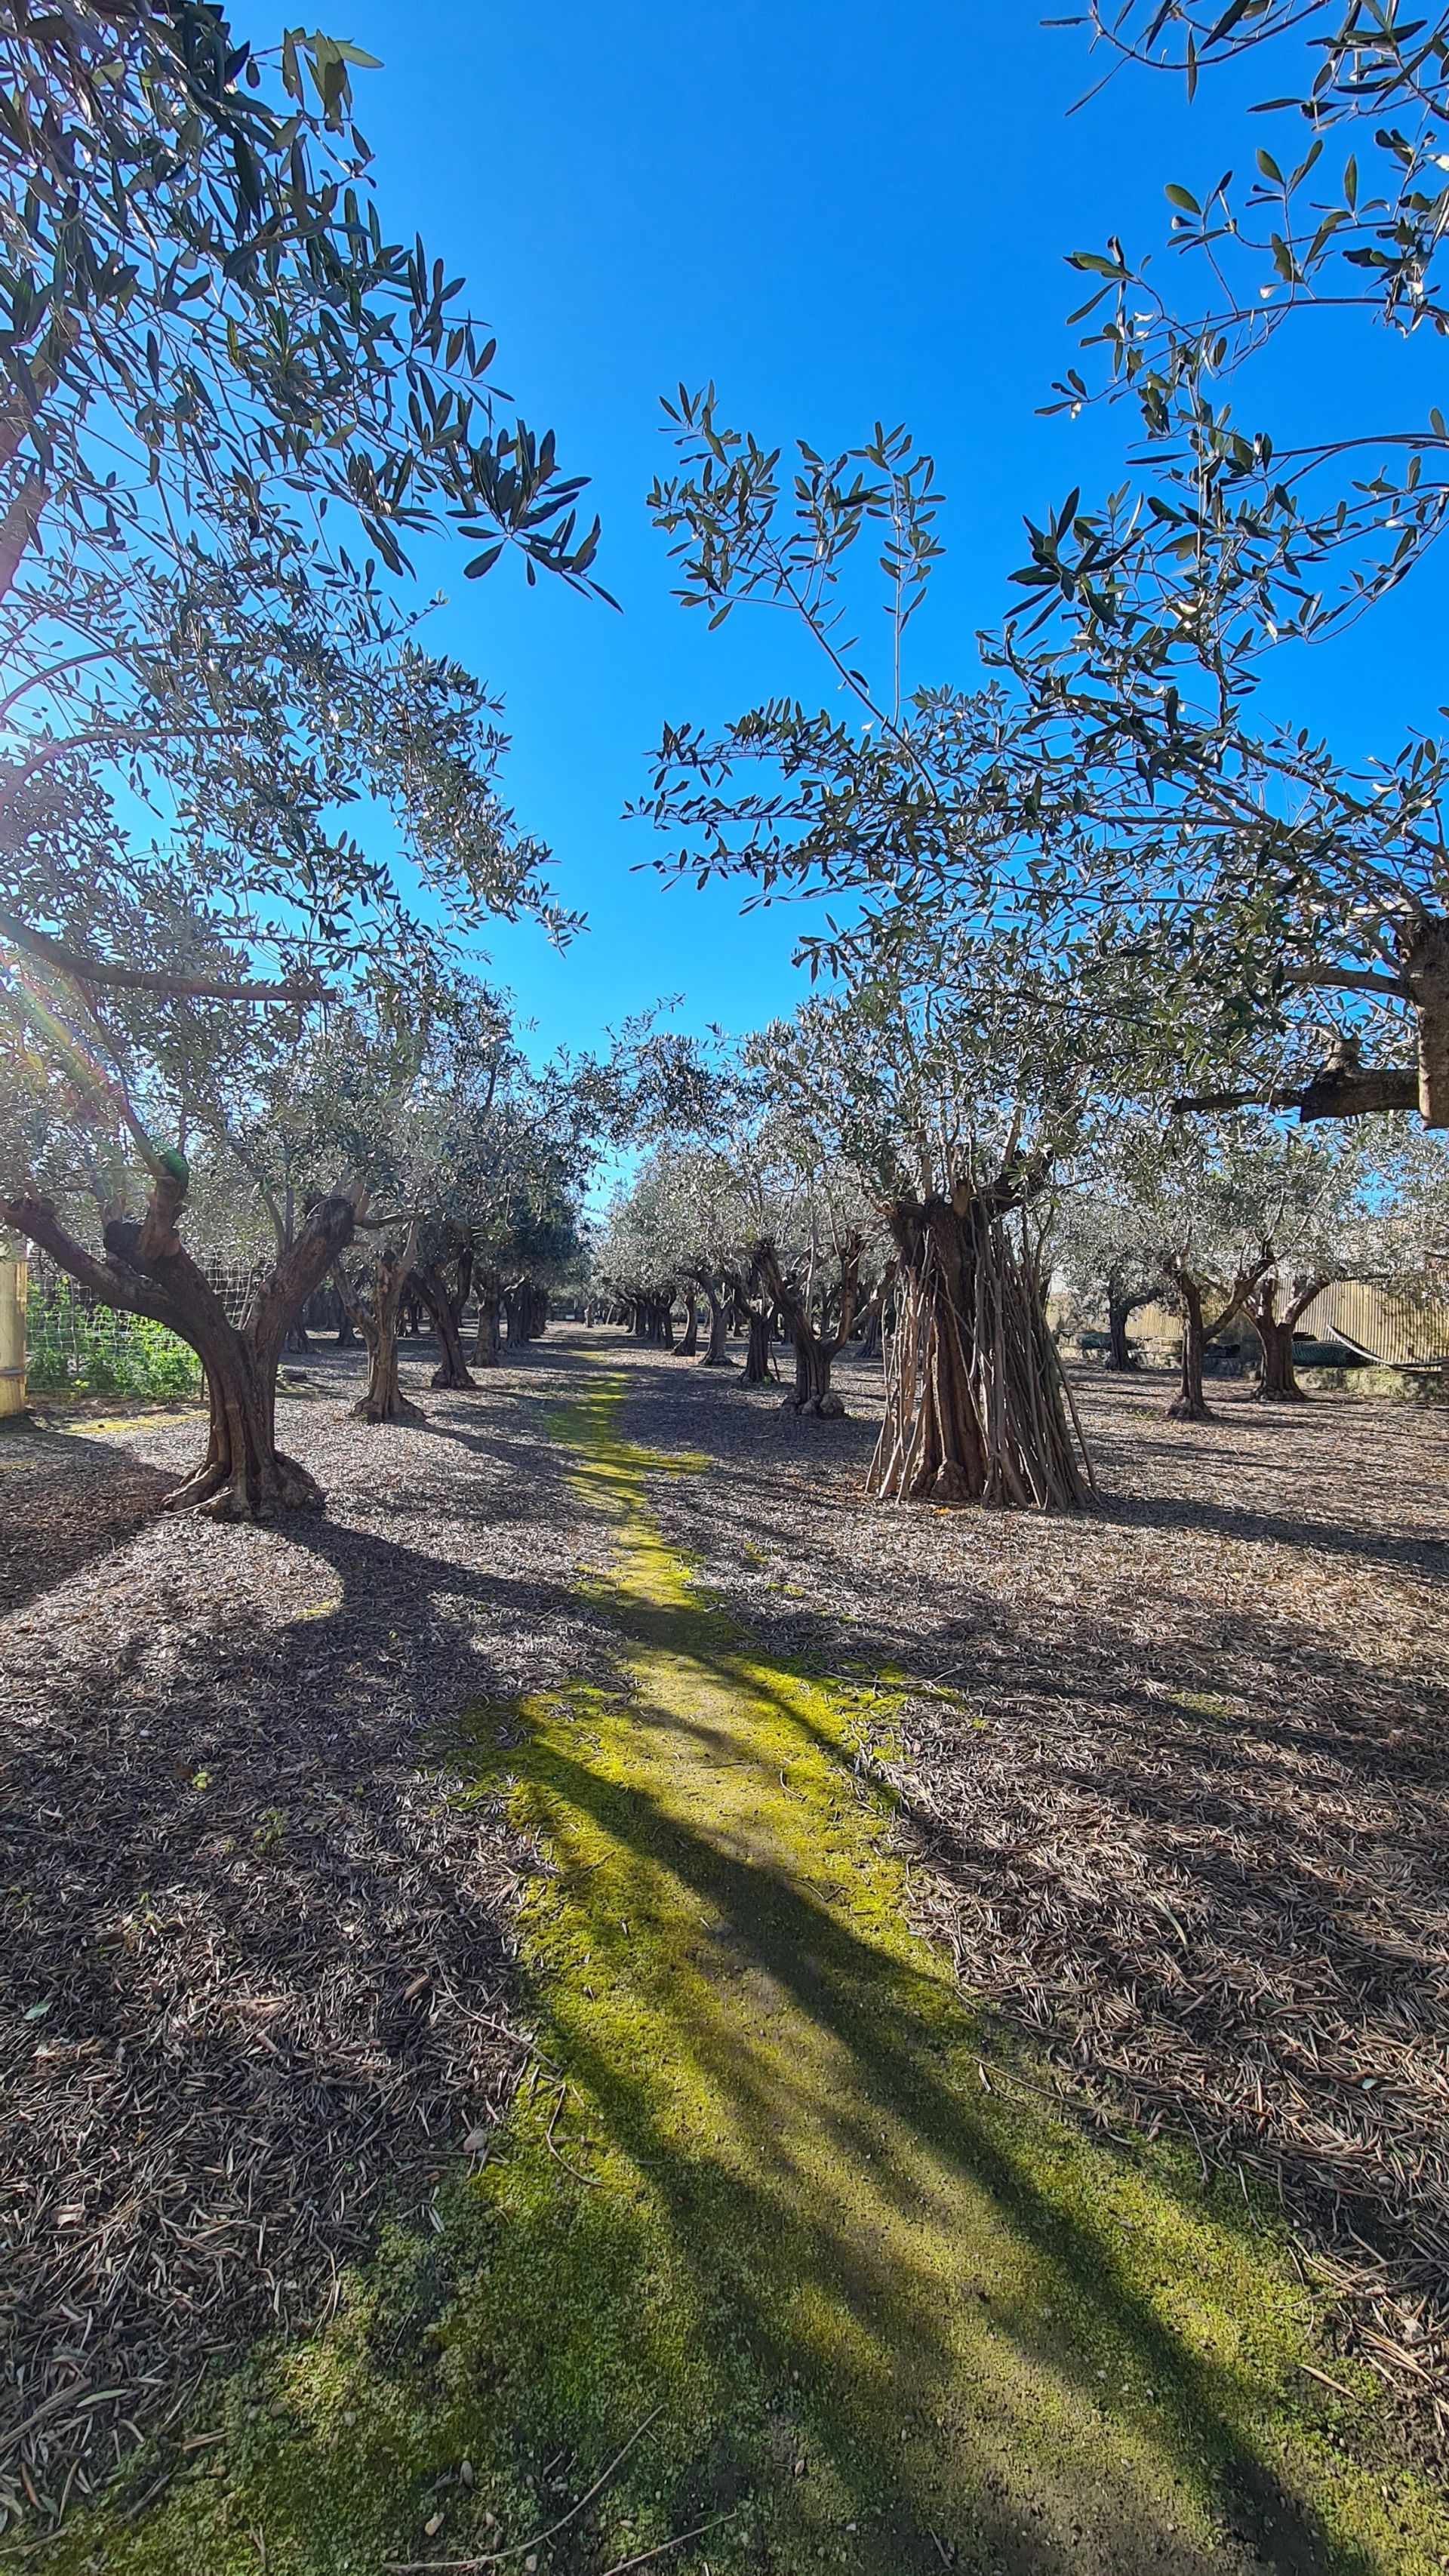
(13, 1276)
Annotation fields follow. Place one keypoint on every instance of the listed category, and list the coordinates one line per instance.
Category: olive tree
(1106, 1249)
(1284, 896)
(1240, 1216)
(948, 1095)
(1305, 880)
(229, 405)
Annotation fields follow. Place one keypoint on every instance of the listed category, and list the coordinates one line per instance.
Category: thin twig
(1310, 2373)
(494, 2557)
(62, 2397)
(661, 2548)
(571, 2170)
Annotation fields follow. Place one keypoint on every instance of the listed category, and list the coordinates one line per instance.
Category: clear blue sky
(839, 214)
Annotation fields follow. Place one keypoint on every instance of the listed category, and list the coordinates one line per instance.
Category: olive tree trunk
(1123, 1301)
(489, 1333)
(716, 1349)
(376, 1319)
(147, 1271)
(1278, 1381)
(445, 1304)
(977, 1409)
(758, 1331)
(1190, 1404)
(816, 1349)
(1424, 964)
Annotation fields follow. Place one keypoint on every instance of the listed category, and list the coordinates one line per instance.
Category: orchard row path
(784, 2255)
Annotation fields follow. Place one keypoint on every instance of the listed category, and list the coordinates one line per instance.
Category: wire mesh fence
(76, 1345)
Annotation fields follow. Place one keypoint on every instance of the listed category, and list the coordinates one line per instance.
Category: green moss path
(770, 2193)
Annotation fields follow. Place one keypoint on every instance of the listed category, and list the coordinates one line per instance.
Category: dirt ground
(254, 1964)
(1183, 1813)
(1173, 1775)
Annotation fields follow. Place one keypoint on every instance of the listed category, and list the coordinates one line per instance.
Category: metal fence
(76, 1344)
(1408, 1332)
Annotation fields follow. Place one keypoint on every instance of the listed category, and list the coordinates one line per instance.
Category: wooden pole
(13, 1276)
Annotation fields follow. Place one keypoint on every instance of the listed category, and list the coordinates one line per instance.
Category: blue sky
(840, 214)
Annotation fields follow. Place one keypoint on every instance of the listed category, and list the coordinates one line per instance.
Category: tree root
(402, 1410)
(220, 1493)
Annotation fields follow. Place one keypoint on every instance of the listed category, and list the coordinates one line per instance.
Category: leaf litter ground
(823, 2221)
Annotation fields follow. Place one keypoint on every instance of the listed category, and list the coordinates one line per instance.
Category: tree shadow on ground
(1426, 1557)
(253, 1936)
(66, 1500)
(1172, 1827)
(767, 2236)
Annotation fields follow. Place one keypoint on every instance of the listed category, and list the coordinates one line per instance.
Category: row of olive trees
(1093, 837)
(464, 1165)
(1243, 1217)
(940, 1153)
(896, 1143)
(229, 404)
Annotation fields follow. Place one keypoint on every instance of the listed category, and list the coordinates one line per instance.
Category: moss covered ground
(774, 2216)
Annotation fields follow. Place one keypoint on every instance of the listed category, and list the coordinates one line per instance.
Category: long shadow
(895, 2022)
(88, 1499)
(149, 1827)
(1425, 1557)
(726, 1432)
(182, 1811)
(891, 2019)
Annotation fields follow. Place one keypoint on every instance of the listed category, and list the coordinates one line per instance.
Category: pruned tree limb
(35, 1219)
(1348, 1091)
(85, 969)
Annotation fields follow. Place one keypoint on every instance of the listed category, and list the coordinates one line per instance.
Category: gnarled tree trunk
(977, 1409)
(383, 1400)
(1190, 1404)
(651, 1317)
(816, 1351)
(445, 1306)
(147, 1271)
(487, 1338)
(716, 1351)
(688, 1344)
(1278, 1382)
(1424, 957)
(758, 1334)
(515, 1314)
(1122, 1304)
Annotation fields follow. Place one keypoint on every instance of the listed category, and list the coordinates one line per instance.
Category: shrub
(73, 1348)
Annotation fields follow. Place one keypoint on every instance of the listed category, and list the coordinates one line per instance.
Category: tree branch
(36, 1219)
(84, 969)
(1346, 979)
(1338, 1092)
